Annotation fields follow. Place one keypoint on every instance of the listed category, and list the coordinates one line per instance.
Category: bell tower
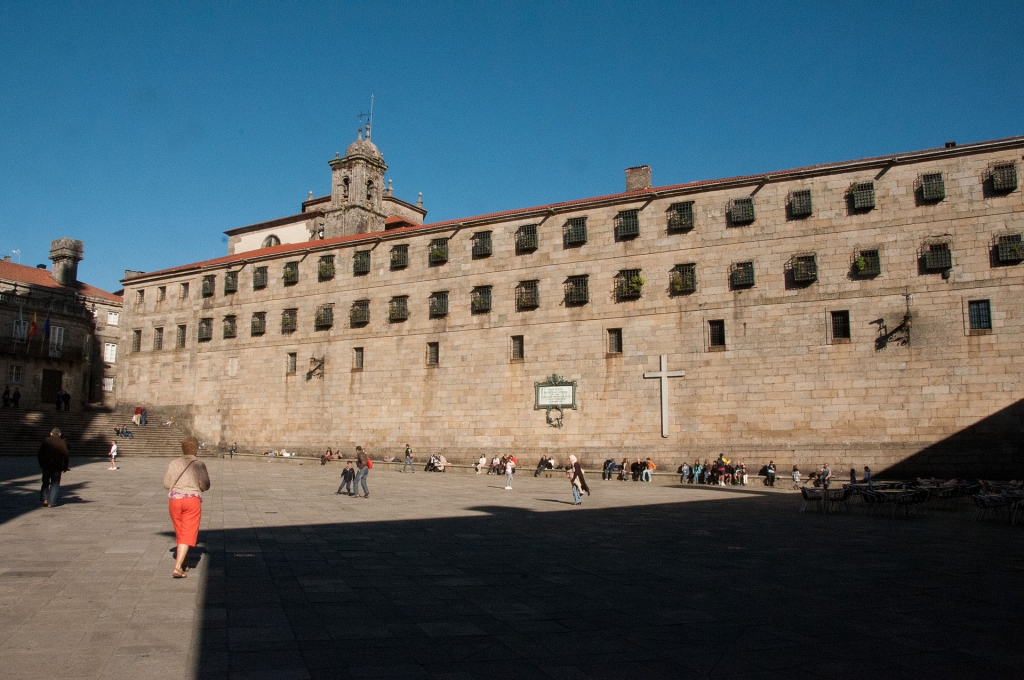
(357, 190)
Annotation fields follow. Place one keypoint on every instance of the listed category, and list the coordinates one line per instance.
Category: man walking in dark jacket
(54, 460)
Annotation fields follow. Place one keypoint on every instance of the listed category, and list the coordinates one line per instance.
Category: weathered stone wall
(782, 388)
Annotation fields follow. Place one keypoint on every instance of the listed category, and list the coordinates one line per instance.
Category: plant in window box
(682, 282)
(633, 286)
(860, 264)
(437, 254)
(326, 270)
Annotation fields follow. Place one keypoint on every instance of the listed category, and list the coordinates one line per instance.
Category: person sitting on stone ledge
(607, 470)
(495, 462)
(481, 464)
(541, 466)
(328, 456)
(624, 470)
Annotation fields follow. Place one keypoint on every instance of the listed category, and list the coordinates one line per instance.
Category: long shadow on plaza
(20, 479)
(744, 587)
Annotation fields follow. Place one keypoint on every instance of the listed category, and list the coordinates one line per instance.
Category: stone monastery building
(862, 313)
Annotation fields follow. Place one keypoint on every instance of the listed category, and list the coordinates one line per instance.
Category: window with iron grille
(259, 324)
(518, 348)
(324, 318)
(862, 195)
(980, 315)
(230, 282)
(680, 217)
(577, 290)
(682, 280)
(357, 357)
(931, 187)
(183, 291)
(574, 231)
(291, 364)
(614, 341)
(137, 341)
(741, 211)
(289, 320)
(799, 203)
(161, 293)
(158, 339)
(526, 239)
(629, 285)
(742, 275)
(400, 256)
(841, 325)
(716, 333)
(438, 251)
(325, 268)
(937, 257)
(259, 278)
(433, 353)
(480, 300)
(482, 244)
(438, 304)
(867, 264)
(527, 295)
(1003, 177)
(209, 281)
(361, 262)
(205, 329)
(359, 314)
(182, 335)
(627, 225)
(398, 309)
(1010, 248)
(805, 269)
(140, 297)
(230, 327)
(291, 273)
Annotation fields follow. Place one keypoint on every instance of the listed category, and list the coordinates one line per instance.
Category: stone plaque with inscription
(555, 392)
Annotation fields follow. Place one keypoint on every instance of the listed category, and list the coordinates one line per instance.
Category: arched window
(369, 191)
(344, 188)
(271, 241)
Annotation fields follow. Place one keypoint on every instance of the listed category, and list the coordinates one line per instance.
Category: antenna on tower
(367, 116)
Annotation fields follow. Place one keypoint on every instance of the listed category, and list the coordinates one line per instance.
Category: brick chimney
(66, 253)
(638, 178)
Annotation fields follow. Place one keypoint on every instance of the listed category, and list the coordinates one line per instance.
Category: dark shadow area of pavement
(738, 587)
(988, 449)
(21, 479)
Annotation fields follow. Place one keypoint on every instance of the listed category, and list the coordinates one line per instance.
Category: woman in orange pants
(186, 480)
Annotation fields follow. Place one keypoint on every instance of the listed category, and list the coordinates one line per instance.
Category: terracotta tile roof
(12, 271)
(556, 207)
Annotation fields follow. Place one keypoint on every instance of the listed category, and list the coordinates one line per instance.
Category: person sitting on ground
(541, 466)
(481, 464)
(169, 423)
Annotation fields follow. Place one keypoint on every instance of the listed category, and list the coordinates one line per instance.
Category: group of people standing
(11, 400)
(62, 399)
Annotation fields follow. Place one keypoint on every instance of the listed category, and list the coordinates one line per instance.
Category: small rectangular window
(110, 352)
(289, 320)
(716, 333)
(682, 280)
(1010, 249)
(574, 232)
(291, 363)
(937, 257)
(629, 285)
(325, 268)
(291, 273)
(867, 264)
(108, 384)
(627, 225)
(398, 309)
(205, 329)
(741, 275)
(680, 217)
(740, 211)
(438, 251)
(324, 317)
(980, 315)
(161, 293)
(480, 300)
(841, 325)
(931, 188)
(361, 262)
(209, 282)
(259, 278)
(1003, 177)
(577, 290)
(527, 295)
(230, 283)
(183, 291)
(438, 304)
(359, 314)
(136, 341)
(526, 239)
(357, 357)
(140, 296)
(481, 244)
(518, 348)
(433, 353)
(400, 256)
(158, 339)
(615, 341)
(258, 325)
(805, 269)
(862, 196)
(230, 327)
(113, 318)
(799, 203)
(14, 374)
(180, 338)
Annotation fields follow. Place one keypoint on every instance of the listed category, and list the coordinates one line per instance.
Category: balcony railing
(41, 349)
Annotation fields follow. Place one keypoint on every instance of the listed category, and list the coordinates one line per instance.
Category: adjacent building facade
(61, 334)
(863, 313)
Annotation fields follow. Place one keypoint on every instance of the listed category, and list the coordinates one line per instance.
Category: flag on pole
(32, 326)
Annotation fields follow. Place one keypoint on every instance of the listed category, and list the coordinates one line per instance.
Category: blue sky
(147, 129)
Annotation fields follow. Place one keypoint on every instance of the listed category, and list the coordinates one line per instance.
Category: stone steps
(88, 433)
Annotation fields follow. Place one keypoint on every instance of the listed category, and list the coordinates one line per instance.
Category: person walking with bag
(364, 464)
(408, 460)
(186, 479)
(577, 480)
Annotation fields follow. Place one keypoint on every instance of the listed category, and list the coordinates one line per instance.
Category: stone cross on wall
(664, 374)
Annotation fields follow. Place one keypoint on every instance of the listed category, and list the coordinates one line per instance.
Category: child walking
(348, 478)
(113, 455)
